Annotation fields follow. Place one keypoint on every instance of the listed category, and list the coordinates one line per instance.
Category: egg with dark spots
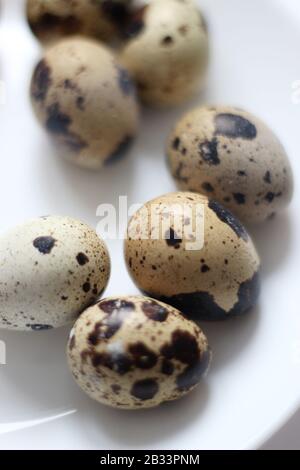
(51, 20)
(86, 102)
(232, 157)
(206, 263)
(136, 352)
(166, 51)
(51, 268)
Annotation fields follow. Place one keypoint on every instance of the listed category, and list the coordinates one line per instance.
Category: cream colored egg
(86, 101)
(135, 352)
(51, 268)
(233, 157)
(193, 254)
(50, 20)
(167, 51)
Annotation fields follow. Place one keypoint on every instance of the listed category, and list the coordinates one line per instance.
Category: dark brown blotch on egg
(155, 311)
(82, 259)
(135, 23)
(41, 81)
(145, 389)
(234, 126)
(44, 244)
(52, 24)
(209, 152)
(143, 357)
(172, 239)
(109, 306)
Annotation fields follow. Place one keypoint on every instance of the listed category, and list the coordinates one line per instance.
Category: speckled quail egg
(86, 101)
(50, 20)
(135, 352)
(167, 51)
(234, 158)
(51, 268)
(193, 254)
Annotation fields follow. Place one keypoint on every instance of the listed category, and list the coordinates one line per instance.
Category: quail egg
(193, 254)
(231, 156)
(51, 268)
(50, 20)
(86, 101)
(136, 352)
(166, 51)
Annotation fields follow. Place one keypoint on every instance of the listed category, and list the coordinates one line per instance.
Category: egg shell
(193, 254)
(50, 20)
(167, 51)
(51, 268)
(135, 352)
(86, 101)
(231, 156)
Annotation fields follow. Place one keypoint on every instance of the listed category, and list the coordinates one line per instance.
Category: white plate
(254, 384)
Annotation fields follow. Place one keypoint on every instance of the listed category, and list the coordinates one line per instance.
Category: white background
(254, 384)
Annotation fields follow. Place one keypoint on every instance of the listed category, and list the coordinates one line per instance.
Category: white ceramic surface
(254, 383)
